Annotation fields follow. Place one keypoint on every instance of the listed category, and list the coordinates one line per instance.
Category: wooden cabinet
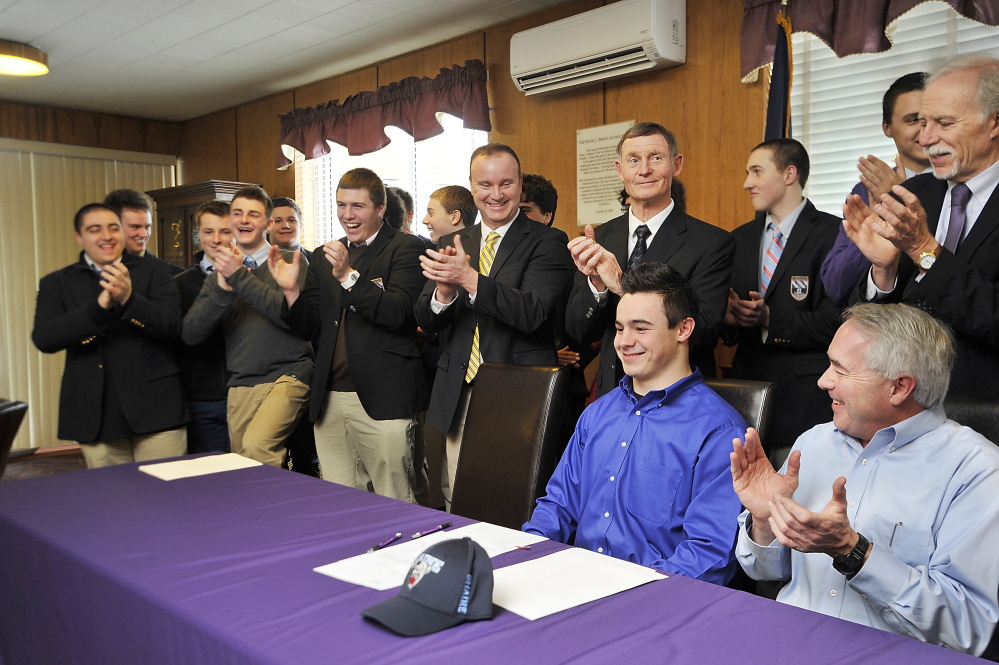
(175, 208)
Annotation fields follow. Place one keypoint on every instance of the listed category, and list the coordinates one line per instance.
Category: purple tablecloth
(113, 566)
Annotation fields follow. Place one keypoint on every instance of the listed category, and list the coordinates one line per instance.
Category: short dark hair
(395, 209)
(493, 149)
(407, 198)
(255, 193)
(217, 208)
(540, 191)
(128, 199)
(650, 129)
(86, 210)
(908, 83)
(456, 197)
(285, 202)
(679, 301)
(361, 178)
(622, 198)
(788, 152)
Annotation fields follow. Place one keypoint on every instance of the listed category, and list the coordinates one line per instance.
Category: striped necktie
(959, 197)
(485, 263)
(771, 258)
(250, 263)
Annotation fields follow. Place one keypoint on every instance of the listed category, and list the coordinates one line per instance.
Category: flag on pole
(779, 101)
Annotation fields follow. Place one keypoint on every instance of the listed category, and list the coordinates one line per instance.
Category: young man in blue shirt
(646, 475)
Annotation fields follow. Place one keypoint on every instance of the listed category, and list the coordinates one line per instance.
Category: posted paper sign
(597, 182)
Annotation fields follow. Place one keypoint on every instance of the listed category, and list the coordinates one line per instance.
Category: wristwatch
(927, 259)
(850, 564)
(351, 280)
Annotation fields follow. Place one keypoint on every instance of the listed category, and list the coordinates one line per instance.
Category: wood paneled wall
(31, 122)
(716, 118)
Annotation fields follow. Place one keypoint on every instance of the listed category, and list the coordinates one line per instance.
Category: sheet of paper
(199, 466)
(564, 579)
(387, 568)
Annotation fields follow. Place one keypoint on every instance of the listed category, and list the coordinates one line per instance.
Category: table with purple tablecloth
(114, 566)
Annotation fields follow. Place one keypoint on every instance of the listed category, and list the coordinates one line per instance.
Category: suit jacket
(961, 288)
(380, 330)
(699, 251)
(803, 320)
(514, 308)
(202, 366)
(134, 341)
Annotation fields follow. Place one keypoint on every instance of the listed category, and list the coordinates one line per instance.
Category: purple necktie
(959, 197)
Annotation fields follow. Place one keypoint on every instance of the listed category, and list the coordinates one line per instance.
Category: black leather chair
(508, 445)
(11, 415)
(982, 416)
(754, 400)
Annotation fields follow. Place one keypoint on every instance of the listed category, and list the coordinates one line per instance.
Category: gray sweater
(259, 346)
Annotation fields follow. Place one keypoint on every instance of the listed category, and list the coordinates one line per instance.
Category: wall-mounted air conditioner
(616, 40)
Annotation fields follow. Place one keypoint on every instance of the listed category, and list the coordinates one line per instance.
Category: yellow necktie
(485, 263)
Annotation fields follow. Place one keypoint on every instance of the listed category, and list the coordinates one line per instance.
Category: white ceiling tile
(177, 59)
(519, 8)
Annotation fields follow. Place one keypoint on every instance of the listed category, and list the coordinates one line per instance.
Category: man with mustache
(933, 241)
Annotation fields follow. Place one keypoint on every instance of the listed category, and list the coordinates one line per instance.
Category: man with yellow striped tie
(491, 293)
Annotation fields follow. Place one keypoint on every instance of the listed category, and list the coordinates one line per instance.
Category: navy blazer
(803, 320)
(135, 341)
(380, 330)
(514, 308)
(697, 250)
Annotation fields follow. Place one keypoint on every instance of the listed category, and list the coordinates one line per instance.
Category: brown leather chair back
(508, 445)
(754, 400)
(981, 415)
(11, 415)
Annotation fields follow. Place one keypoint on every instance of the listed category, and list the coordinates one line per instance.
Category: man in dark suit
(135, 209)
(117, 317)
(357, 307)
(492, 292)
(656, 229)
(778, 310)
(936, 246)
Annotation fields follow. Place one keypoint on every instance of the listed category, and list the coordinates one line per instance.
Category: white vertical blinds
(419, 168)
(836, 103)
(43, 185)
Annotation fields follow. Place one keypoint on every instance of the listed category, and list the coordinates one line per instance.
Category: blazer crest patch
(799, 287)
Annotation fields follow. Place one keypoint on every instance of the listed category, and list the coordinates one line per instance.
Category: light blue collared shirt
(925, 492)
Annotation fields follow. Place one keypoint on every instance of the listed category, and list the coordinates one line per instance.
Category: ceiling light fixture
(22, 60)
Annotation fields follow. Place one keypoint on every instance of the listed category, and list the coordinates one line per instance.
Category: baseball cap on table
(450, 583)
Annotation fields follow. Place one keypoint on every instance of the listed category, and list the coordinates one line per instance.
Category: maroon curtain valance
(411, 104)
(846, 26)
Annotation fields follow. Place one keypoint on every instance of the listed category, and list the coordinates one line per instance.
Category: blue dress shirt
(647, 480)
(926, 494)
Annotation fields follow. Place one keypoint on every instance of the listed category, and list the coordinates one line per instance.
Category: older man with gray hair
(933, 242)
(911, 546)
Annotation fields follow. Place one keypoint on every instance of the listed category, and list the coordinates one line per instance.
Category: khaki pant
(140, 448)
(262, 416)
(452, 444)
(355, 449)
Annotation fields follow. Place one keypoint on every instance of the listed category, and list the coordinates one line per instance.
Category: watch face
(926, 261)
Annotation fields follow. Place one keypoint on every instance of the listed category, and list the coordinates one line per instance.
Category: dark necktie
(250, 263)
(642, 232)
(959, 197)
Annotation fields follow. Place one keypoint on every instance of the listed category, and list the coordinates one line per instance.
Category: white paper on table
(199, 466)
(387, 568)
(565, 579)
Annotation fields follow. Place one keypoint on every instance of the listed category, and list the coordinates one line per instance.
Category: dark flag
(779, 102)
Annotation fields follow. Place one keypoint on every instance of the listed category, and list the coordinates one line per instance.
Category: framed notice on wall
(597, 183)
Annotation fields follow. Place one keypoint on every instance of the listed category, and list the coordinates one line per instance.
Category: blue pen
(386, 543)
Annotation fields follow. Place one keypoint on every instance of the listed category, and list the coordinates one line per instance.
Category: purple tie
(959, 197)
